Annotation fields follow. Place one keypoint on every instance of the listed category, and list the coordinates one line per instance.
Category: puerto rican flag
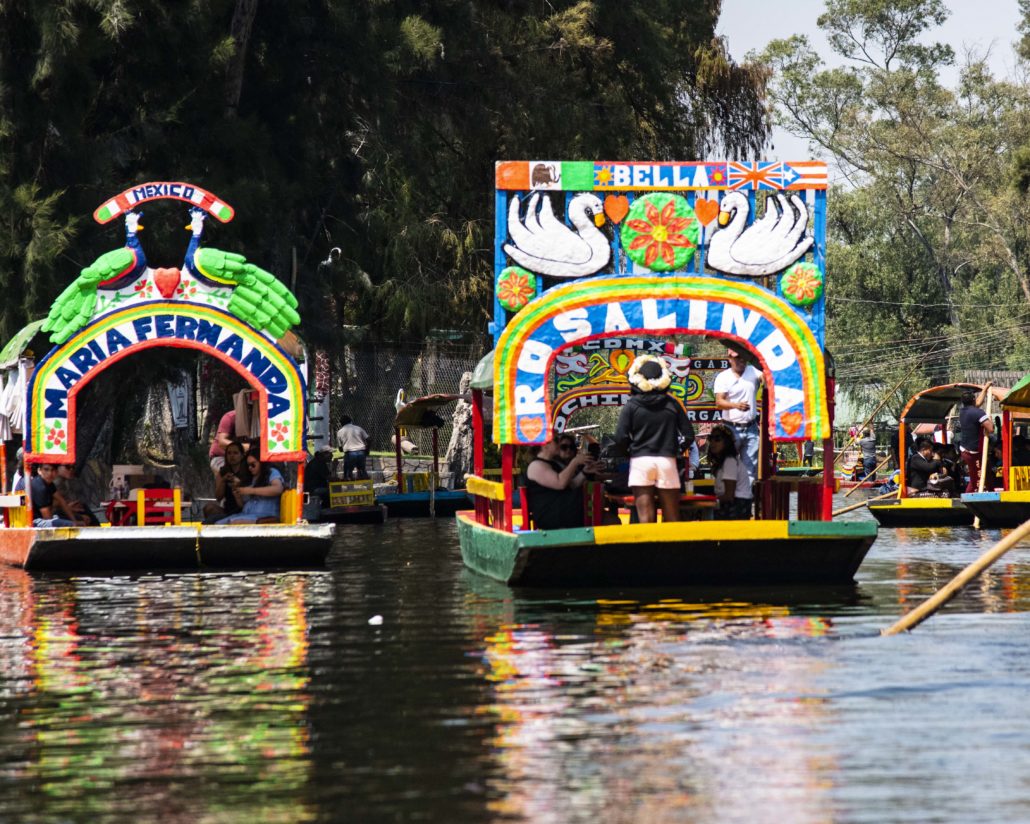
(804, 174)
(764, 174)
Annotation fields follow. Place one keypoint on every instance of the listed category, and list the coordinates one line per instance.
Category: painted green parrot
(75, 305)
(259, 298)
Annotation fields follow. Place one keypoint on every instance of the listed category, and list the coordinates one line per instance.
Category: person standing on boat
(869, 461)
(655, 431)
(555, 487)
(807, 453)
(352, 441)
(735, 389)
(732, 482)
(973, 424)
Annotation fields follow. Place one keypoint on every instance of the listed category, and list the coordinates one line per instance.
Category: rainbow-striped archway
(52, 392)
(791, 358)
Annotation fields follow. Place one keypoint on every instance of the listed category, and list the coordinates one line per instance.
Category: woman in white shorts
(655, 431)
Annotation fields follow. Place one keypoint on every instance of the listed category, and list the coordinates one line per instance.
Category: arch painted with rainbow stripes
(59, 377)
(791, 357)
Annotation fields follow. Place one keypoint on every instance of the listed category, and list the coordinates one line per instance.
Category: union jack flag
(764, 174)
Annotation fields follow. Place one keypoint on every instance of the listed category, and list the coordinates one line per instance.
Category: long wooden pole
(883, 403)
(984, 454)
(879, 466)
(860, 504)
(952, 588)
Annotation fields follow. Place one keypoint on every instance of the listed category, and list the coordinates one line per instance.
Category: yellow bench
(1019, 478)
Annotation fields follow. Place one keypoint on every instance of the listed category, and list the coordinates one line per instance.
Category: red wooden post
(507, 468)
(300, 491)
(1006, 448)
(3, 467)
(400, 459)
(477, 432)
(902, 453)
(828, 471)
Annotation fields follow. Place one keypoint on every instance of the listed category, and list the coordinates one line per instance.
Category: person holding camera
(231, 475)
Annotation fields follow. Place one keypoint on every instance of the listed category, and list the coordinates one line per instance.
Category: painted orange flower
(802, 284)
(515, 288)
(661, 232)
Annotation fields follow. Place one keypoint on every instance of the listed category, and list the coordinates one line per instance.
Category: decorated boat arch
(645, 255)
(214, 302)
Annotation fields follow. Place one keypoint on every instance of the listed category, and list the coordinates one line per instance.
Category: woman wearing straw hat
(654, 429)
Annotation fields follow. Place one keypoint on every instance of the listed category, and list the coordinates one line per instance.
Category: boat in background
(1009, 506)
(120, 307)
(419, 494)
(930, 406)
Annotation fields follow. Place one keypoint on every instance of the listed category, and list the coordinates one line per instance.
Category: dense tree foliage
(364, 126)
(929, 263)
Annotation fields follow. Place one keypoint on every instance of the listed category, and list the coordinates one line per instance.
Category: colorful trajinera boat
(419, 494)
(121, 307)
(1009, 506)
(656, 252)
(930, 406)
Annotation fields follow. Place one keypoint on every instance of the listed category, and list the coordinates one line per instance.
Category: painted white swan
(768, 245)
(543, 244)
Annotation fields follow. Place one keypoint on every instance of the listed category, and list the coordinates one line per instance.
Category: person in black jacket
(921, 466)
(654, 429)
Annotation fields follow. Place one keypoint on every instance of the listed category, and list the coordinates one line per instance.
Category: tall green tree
(929, 237)
(361, 126)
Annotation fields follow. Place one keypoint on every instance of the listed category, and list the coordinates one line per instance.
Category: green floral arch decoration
(661, 232)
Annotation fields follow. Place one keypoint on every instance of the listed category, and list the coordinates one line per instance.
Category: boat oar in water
(860, 504)
(878, 467)
(952, 588)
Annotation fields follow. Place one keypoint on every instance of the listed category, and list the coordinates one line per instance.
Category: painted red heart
(706, 210)
(166, 281)
(616, 207)
(531, 428)
(791, 422)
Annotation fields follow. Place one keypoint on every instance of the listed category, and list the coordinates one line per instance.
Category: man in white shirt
(352, 441)
(735, 389)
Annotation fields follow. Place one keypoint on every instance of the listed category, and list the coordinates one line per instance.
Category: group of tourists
(943, 469)
(654, 432)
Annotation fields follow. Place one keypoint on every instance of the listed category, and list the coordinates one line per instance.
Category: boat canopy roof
(483, 374)
(414, 413)
(1019, 396)
(15, 346)
(932, 405)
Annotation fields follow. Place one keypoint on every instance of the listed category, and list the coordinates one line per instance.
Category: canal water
(397, 686)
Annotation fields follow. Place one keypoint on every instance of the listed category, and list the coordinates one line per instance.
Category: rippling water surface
(246, 697)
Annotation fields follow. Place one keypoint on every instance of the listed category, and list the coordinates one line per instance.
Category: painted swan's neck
(578, 216)
(741, 209)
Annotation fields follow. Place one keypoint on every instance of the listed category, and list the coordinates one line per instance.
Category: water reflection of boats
(224, 308)
(127, 689)
(653, 705)
(536, 332)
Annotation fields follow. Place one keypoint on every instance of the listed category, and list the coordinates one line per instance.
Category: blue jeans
(747, 438)
(49, 523)
(355, 460)
(868, 467)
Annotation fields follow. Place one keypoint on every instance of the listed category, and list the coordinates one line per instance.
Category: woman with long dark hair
(232, 473)
(732, 482)
(259, 498)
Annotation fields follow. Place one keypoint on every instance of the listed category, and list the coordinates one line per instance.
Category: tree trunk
(242, 21)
